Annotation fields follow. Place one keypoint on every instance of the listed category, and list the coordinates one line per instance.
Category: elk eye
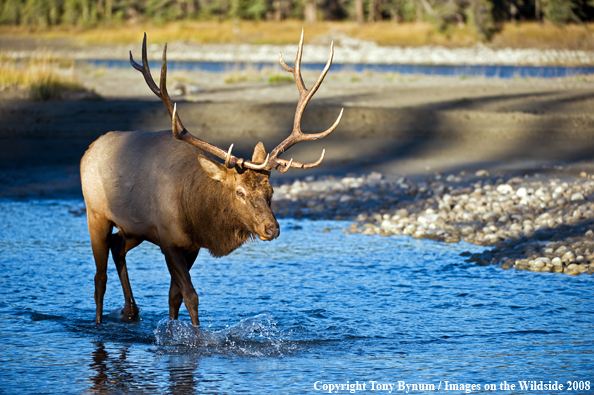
(240, 193)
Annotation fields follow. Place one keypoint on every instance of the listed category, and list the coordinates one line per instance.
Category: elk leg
(120, 245)
(175, 295)
(100, 231)
(178, 268)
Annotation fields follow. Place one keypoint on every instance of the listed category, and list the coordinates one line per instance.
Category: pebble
(537, 223)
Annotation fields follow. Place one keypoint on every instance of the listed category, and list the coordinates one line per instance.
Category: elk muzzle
(269, 230)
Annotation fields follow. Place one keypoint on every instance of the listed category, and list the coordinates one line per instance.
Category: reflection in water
(181, 374)
(113, 371)
(99, 364)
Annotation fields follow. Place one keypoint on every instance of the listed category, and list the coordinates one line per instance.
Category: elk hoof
(130, 311)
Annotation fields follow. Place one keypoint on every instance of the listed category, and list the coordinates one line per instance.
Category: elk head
(246, 180)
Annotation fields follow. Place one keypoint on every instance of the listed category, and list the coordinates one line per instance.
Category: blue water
(496, 71)
(313, 306)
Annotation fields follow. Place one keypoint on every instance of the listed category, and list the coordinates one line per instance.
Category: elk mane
(205, 201)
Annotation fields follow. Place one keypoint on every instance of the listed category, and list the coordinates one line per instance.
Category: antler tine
(297, 68)
(299, 165)
(163, 80)
(305, 96)
(282, 62)
(320, 79)
(160, 91)
(177, 126)
(228, 155)
(144, 69)
(173, 117)
(286, 168)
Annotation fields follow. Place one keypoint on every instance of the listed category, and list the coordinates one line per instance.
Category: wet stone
(537, 218)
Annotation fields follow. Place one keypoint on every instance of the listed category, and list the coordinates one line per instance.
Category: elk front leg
(120, 245)
(180, 276)
(100, 231)
(175, 295)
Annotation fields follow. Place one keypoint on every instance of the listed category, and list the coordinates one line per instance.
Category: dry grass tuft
(39, 76)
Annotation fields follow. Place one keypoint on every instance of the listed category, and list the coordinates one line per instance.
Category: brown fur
(154, 187)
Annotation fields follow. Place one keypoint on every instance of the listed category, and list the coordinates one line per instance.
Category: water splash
(256, 336)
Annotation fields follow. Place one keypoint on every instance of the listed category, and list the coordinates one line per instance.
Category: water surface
(313, 306)
(489, 71)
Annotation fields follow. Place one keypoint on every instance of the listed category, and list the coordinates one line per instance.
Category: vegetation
(39, 76)
(280, 79)
(474, 18)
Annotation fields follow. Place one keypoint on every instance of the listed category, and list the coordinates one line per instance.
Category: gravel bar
(535, 222)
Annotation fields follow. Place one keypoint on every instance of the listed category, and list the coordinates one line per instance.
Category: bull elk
(167, 188)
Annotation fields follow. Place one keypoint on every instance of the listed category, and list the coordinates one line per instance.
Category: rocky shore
(347, 51)
(535, 222)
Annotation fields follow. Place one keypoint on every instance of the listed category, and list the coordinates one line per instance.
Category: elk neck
(209, 215)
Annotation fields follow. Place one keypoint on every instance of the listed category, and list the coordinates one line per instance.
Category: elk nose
(272, 231)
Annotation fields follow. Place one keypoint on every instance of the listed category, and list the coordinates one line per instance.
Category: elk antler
(272, 159)
(177, 127)
(305, 95)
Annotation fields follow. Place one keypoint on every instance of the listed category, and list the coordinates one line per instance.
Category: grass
(203, 32)
(280, 79)
(252, 75)
(40, 78)
(286, 32)
(512, 35)
(523, 35)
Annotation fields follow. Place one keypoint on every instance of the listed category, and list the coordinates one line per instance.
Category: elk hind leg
(175, 294)
(100, 230)
(120, 245)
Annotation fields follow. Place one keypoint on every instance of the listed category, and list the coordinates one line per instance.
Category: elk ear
(215, 170)
(259, 155)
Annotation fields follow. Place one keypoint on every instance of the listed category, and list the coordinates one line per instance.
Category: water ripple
(278, 316)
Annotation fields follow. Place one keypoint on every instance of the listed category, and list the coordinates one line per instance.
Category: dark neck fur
(208, 216)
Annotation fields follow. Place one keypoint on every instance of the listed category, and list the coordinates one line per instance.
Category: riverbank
(537, 44)
(542, 222)
(348, 51)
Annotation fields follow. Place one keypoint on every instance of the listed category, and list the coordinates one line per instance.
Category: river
(314, 309)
